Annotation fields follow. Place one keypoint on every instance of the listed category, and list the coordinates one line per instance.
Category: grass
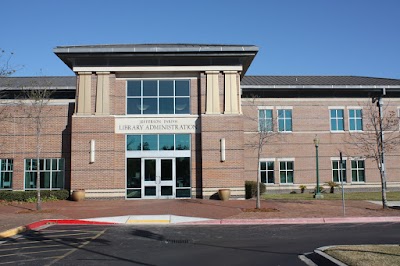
(366, 255)
(393, 196)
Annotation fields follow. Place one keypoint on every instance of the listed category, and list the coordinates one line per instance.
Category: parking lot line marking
(25, 241)
(26, 260)
(36, 246)
(75, 249)
(35, 252)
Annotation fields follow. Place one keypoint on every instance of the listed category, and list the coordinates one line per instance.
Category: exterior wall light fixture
(222, 148)
(92, 151)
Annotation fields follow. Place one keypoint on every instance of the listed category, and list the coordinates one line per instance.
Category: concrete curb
(182, 220)
(321, 251)
(300, 220)
(32, 226)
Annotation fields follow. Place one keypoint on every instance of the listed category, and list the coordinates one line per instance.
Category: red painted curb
(65, 222)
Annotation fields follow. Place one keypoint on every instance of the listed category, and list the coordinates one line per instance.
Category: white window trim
(277, 118)
(348, 118)
(265, 107)
(345, 169)
(267, 160)
(258, 116)
(330, 118)
(286, 159)
(351, 170)
(279, 170)
(284, 107)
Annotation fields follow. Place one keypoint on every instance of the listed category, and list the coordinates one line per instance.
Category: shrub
(251, 189)
(302, 188)
(29, 196)
(321, 189)
(332, 186)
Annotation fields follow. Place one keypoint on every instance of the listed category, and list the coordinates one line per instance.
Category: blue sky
(296, 37)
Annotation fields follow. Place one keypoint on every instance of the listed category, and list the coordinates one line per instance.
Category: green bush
(251, 189)
(28, 196)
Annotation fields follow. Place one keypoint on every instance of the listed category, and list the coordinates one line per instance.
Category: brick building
(181, 121)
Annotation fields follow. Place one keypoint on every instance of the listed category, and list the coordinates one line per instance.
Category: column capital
(231, 72)
(85, 73)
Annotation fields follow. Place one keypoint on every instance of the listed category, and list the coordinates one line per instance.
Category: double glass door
(158, 178)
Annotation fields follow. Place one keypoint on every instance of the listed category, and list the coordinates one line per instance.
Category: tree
(5, 68)
(266, 133)
(35, 100)
(379, 137)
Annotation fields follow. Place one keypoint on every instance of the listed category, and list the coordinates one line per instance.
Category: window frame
(9, 169)
(267, 171)
(269, 127)
(338, 120)
(158, 97)
(337, 160)
(357, 169)
(355, 118)
(286, 171)
(29, 163)
(284, 119)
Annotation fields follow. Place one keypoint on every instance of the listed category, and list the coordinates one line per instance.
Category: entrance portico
(139, 103)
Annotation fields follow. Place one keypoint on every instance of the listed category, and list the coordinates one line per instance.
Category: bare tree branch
(380, 121)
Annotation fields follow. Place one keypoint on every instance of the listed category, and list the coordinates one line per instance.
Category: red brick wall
(311, 117)
(18, 136)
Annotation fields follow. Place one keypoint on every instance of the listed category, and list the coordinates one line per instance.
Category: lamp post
(317, 194)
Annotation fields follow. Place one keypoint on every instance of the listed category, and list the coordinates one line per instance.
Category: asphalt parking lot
(186, 245)
(47, 246)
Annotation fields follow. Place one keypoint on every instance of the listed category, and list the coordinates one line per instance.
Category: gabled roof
(55, 82)
(316, 81)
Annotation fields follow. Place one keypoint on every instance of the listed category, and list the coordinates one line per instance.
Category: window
(357, 171)
(286, 172)
(337, 119)
(336, 171)
(51, 173)
(265, 122)
(182, 166)
(267, 172)
(355, 120)
(158, 97)
(6, 173)
(158, 142)
(285, 120)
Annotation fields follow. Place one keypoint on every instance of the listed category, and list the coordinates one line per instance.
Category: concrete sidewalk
(14, 215)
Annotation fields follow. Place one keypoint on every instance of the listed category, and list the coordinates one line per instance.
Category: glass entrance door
(158, 178)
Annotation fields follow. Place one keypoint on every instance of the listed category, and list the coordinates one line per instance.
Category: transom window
(357, 171)
(267, 172)
(265, 120)
(51, 173)
(285, 120)
(6, 173)
(158, 97)
(336, 171)
(355, 120)
(337, 119)
(286, 172)
(158, 142)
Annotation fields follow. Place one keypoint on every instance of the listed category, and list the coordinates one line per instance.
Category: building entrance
(159, 177)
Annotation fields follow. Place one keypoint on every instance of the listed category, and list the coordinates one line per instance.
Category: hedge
(251, 189)
(31, 194)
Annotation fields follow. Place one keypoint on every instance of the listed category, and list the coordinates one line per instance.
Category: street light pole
(317, 194)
